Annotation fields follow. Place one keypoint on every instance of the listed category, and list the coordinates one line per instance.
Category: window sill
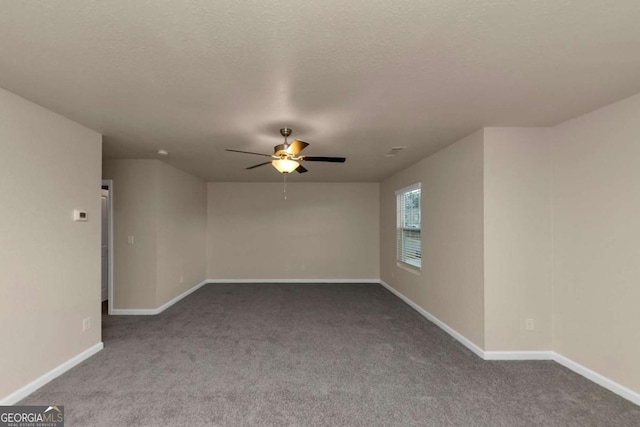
(407, 267)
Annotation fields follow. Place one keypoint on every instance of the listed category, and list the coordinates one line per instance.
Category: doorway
(107, 247)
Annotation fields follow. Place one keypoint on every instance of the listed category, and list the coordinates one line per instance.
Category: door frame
(109, 184)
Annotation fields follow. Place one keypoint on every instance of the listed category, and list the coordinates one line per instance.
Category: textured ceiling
(352, 78)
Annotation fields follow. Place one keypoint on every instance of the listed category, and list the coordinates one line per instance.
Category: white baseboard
(23, 392)
(152, 311)
(318, 281)
(463, 340)
(134, 311)
(524, 355)
(518, 355)
(597, 378)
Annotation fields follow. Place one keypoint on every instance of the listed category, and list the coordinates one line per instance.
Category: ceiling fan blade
(248, 152)
(296, 146)
(258, 165)
(301, 169)
(323, 159)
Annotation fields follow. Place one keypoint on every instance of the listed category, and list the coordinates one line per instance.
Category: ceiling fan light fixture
(287, 156)
(285, 165)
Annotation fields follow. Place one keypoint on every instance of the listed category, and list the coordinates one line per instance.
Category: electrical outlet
(530, 325)
(130, 240)
(181, 279)
(86, 324)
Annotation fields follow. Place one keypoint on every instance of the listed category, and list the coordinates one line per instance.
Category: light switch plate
(79, 215)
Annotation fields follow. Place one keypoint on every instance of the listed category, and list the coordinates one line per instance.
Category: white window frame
(403, 244)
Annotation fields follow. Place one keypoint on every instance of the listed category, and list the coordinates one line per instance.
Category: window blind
(408, 215)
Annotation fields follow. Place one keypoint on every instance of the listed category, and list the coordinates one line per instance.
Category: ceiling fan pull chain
(285, 185)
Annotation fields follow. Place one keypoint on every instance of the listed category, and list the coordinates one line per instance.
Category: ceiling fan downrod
(286, 132)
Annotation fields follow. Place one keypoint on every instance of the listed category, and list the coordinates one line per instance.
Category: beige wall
(182, 224)
(596, 241)
(557, 239)
(164, 209)
(322, 231)
(517, 238)
(49, 264)
(134, 197)
(450, 285)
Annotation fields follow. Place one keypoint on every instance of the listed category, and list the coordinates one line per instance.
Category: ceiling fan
(286, 156)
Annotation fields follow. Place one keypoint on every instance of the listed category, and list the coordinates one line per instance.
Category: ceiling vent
(394, 151)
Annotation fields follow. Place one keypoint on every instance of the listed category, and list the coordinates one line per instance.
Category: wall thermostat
(79, 215)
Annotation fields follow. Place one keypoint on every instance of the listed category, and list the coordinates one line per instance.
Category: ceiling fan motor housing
(280, 150)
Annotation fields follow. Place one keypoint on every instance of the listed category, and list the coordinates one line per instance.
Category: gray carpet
(313, 355)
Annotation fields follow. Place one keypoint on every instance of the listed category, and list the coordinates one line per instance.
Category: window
(408, 241)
